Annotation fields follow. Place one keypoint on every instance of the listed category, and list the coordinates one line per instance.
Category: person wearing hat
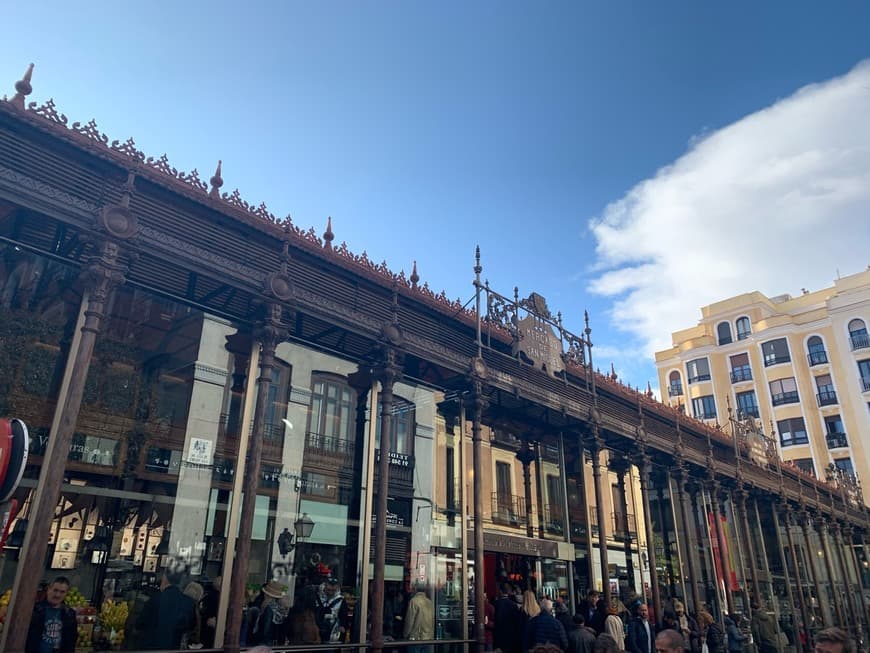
(332, 613)
(269, 625)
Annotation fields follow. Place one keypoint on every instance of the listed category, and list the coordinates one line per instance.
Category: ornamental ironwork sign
(538, 337)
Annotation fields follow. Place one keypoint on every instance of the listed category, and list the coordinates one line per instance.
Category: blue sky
(583, 146)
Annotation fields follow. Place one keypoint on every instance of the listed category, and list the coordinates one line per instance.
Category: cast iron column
(526, 455)
(850, 605)
(788, 584)
(590, 552)
(597, 446)
(849, 533)
(786, 517)
(478, 399)
(387, 371)
(811, 558)
(644, 468)
(539, 477)
(623, 468)
(822, 529)
(682, 483)
(268, 334)
(750, 545)
(105, 270)
(724, 560)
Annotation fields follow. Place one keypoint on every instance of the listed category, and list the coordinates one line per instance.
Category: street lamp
(302, 528)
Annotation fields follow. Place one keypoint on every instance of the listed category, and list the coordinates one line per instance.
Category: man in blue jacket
(545, 629)
(53, 625)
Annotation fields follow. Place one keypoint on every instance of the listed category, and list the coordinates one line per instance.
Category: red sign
(16, 459)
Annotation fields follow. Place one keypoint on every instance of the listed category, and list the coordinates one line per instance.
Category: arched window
(816, 353)
(331, 420)
(858, 334)
(675, 385)
(743, 328)
(723, 331)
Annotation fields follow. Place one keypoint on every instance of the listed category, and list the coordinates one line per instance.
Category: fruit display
(113, 616)
(4, 606)
(75, 599)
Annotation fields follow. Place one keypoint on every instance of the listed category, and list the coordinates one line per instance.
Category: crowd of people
(515, 622)
(520, 624)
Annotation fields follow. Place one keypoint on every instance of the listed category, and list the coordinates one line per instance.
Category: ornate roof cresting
(125, 154)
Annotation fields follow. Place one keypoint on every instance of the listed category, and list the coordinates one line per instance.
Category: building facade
(217, 393)
(798, 365)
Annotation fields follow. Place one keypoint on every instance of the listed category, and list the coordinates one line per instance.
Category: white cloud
(777, 201)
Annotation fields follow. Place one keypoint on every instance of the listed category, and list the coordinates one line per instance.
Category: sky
(638, 160)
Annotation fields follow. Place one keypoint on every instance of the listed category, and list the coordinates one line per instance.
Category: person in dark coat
(507, 635)
(166, 616)
(589, 605)
(582, 638)
(641, 633)
(545, 629)
(560, 611)
(53, 625)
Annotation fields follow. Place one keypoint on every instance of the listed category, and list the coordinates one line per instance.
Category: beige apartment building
(799, 365)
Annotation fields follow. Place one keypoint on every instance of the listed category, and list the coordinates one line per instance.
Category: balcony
(328, 445)
(624, 526)
(508, 510)
(699, 377)
(817, 358)
(776, 359)
(742, 373)
(836, 440)
(675, 390)
(826, 397)
(865, 383)
(554, 520)
(785, 398)
(859, 341)
(401, 468)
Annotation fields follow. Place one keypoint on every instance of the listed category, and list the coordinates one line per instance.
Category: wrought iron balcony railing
(675, 390)
(859, 341)
(700, 377)
(817, 358)
(826, 397)
(836, 440)
(624, 526)
(742, 373)
(508, 509)
(774, 359)
(865, 383)
(785, 398)
(327, 444)
(554, 520)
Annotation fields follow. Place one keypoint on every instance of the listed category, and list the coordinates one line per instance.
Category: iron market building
(210, 387)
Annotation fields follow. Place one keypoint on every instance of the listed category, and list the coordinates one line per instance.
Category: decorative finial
(22, 89)
(415, 278)
(649, 392)
(477, 268)
(588, 331)
(613, 374)
(328, 236)
(216, 182)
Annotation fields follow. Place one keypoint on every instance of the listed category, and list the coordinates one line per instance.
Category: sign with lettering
(504, 543)
(539, 344)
